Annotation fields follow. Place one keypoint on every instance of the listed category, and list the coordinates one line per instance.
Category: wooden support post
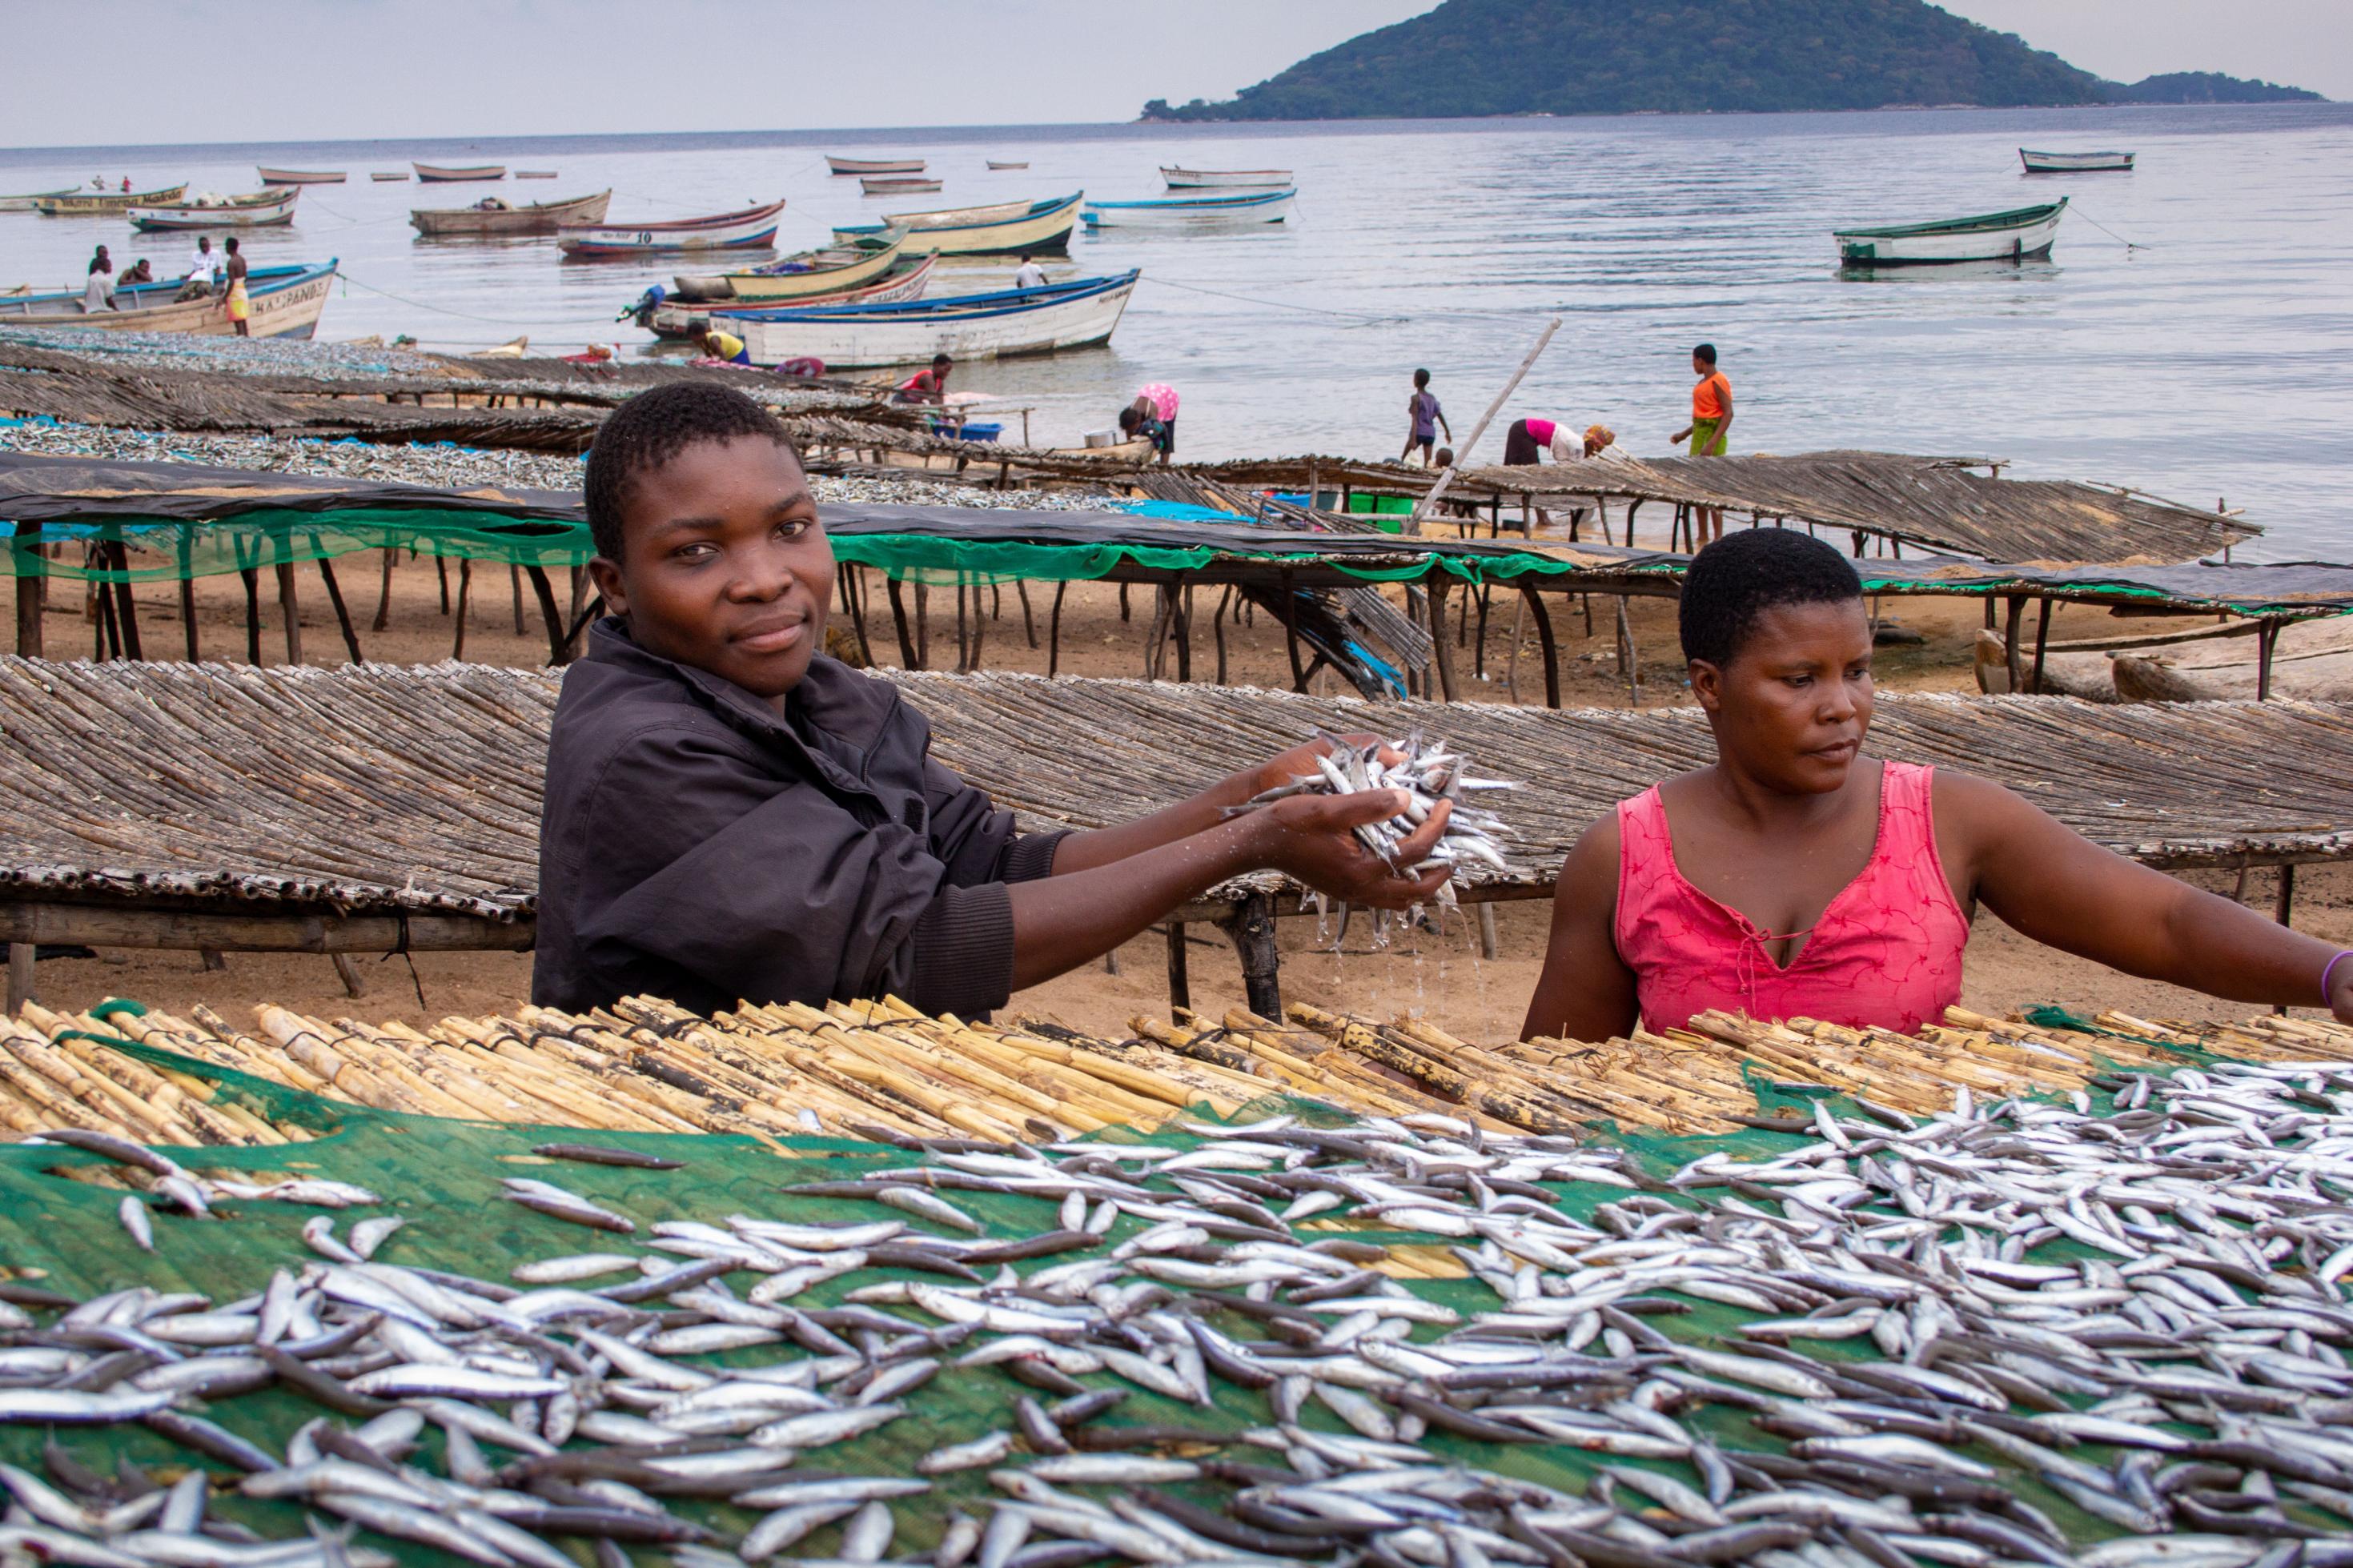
(1184, 608)
(1218, 625)
(1122, 603)
(188, 617)
(342, 616)
(384, 592)
(899, 618)
(1543, 618)
(348, 973)
(32, 591)
(1028, 624)
(1251, 927)
(1162, 594)
(1290, 628)
(465, 593)
(126, 609)
(2042, 641)
(1490, 945)
(2266, 641)
(289, 606)
(1989, 612)
(1181, 988)
(964, 636)
(1630, 657)
(922, 625)
(212, 959)
(980, 632)
(2283, 906)
(20, 974)
(252, 614)
(1479, 654)
(2009, 648)
(108, 640)
(1443, 650)
(544, 592)
(1054, 633)
(441, 569)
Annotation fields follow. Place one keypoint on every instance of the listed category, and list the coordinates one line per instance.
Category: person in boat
(929, 385)
(98, 289)
(1424, 419)
(1031, 275)
(137, 272)
(717, 342)
(1710, 426)
(204, 269)
(238, 303)
(1797, 877)
(733, 814)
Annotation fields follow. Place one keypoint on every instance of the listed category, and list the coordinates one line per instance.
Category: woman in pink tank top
(1794, 878)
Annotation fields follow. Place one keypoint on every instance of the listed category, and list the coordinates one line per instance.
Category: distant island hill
(1474, 57)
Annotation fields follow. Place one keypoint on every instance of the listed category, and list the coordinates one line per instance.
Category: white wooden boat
(995, 164)
(270, 176)
(897, 184)
(2311, 660)
(26, 203)
(907, 279)
(1192, 212)
(2074, 162)
(1008, 229)
(753, 228)
(2012, 236)
(874, 165)
(447, 174)
(385, 175)
(268, 210)
(90, 204)
(1213, 179)
(970, 326)
(485, 222)
(798, 277)
(286, 303)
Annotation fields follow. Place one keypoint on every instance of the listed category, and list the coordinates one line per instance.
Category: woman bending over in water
(1798, 878)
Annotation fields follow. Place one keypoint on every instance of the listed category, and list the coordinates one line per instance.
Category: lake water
(2211, 363)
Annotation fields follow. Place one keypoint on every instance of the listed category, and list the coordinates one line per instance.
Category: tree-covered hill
(1618, 57)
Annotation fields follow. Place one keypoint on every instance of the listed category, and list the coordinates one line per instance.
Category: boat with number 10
(997, 325)
(753, 228)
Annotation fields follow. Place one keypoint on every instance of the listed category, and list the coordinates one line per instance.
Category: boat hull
(1224, 179)
(1209, 212)
(245, 214)
(764, 285)
(389, 176)
(907, 282)
(755, 228)
(897, 185)
(1001, 167)
(440, 175)
(992, 326)
(1038, 227)
(2028, 235)
(875, 165)
(2075, 163)
(287, 302)
(90, 204)
(27, 202)
(540, 217)
(302, 176)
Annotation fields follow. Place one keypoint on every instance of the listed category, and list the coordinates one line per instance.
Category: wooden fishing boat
(1192, 212)
(25, 202)
(287, 302)
(2311, 660)
(897, 185)
(796, 277)
(501, 221)
(88, 204)
(2074, 162)
(268, 209)
(995, 163)
(1210, 179)
(383, 176)
(753, 228)
(998, 325)
(1008, 229)
(908, 278)
(2012, 236)
(270, 176)
(874, 165)
(534, 174)
(441, 173)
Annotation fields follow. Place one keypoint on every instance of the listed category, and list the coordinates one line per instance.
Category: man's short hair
(1740, 577)
(1705, 353)
(650, 429)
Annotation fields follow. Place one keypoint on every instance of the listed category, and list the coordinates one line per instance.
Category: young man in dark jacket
(732, 815)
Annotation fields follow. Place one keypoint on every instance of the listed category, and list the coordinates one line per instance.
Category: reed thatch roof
(417, 789)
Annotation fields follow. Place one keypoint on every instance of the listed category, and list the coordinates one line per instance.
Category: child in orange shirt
(1711, 424)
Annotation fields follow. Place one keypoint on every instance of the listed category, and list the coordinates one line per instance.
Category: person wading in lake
(1424, 419)
(239, 305)
(1711, 426)
(1794, 877)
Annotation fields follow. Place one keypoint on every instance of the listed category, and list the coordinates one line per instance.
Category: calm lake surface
(2211, 363)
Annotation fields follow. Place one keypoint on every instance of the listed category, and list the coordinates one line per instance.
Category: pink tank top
(1886, 953)
(1541, 431)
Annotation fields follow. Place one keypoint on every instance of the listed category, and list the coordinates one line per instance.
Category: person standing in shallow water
(1424, 419)
(1709, 427)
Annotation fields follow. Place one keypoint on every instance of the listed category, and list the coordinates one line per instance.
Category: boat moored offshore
(2074, 162)
(1193, 212)
(997, 325)
(2013, 236)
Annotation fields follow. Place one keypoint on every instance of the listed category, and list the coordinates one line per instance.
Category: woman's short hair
(1740, 577)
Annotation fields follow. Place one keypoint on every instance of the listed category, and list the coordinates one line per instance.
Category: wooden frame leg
(1251, 928)
(1180, 985)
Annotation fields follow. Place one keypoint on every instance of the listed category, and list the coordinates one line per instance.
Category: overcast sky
(301, 69)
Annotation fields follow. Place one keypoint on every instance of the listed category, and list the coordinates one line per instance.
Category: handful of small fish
(1427, 772)
(2181, 1380)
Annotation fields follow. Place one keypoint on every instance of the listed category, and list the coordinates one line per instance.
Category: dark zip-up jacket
(696, 845)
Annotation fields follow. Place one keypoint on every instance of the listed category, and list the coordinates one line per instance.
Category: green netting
(161, 551)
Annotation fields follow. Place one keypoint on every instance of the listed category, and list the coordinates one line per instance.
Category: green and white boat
(2013, 236)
